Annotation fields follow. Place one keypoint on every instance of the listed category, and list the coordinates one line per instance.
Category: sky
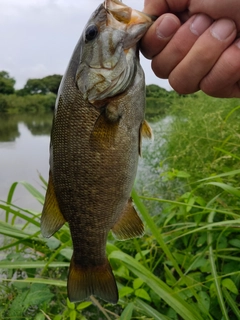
(37, 37)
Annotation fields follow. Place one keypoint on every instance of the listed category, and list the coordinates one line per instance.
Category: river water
(24, 142)
(24, 153)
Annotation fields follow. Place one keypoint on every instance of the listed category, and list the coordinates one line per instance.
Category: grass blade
(31, 264)
(213, 268)
(149, 311)
(186, 311)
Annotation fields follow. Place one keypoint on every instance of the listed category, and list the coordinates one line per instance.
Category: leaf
(139, 255)
(137, 283)
(230, 285)
(182, 174)
(37, 294)
(149, 311)
(124, 291)
(235, 242)
(185, 310)
(141, 293)
(33, 191)
(233, 304)
(225, 174)
(53, 243)
(202, 239)
(40, 316)
(52, 282)
(84, 305)
(204, 301)
(226, 187)
(67, 253)
(127, 312)
(31, 264)
(70, 305)
(190, 203)
(73, 315)
(122, 272)
(18, 307)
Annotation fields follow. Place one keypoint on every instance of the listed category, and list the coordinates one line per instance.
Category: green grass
(179, 270)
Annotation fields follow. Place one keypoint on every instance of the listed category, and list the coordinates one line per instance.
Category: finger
(186, 77)
(159, 35)
(224, 78)
(179, 46)
(155, 7)
(223, 9)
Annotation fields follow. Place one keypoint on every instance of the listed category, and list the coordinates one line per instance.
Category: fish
(98, 125)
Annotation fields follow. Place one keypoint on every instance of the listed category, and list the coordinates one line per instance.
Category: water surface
(24, 143)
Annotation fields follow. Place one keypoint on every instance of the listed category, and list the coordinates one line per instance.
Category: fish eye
(91, 33)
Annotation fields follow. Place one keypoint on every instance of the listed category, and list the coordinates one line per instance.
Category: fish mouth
(124, 14)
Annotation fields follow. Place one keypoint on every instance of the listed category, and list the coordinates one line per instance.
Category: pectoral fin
(129, 224)
(104, 132)
(144, 132)
(52, 219)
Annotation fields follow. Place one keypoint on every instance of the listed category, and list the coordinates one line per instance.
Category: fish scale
(95, 145)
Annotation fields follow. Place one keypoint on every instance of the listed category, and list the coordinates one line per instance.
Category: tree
(52, 82)
(42, 86)
(154, 91)
(6, 83)
(35, 86)
(3, 104)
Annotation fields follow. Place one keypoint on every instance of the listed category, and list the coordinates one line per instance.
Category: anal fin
(52, 219)
(129, 224)
(91, 280)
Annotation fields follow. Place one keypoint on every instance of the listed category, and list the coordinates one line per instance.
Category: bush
(29, 103)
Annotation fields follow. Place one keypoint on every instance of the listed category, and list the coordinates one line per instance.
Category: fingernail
(200, 24)
(167, 27)
(222, 29)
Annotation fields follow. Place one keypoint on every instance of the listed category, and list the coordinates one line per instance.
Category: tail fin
(86, 281)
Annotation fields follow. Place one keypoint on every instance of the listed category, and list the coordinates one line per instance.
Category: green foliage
(203, 137)
(30, 103)
(42, 86)
(38, 95)
(181, 268)
(35, 86)
(3, 104)
(6, 84)
(52, 82)
(154, 91)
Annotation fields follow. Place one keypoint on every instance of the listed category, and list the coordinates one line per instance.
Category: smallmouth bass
(95, 144)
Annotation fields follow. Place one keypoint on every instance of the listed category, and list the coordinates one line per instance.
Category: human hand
(196, 45)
